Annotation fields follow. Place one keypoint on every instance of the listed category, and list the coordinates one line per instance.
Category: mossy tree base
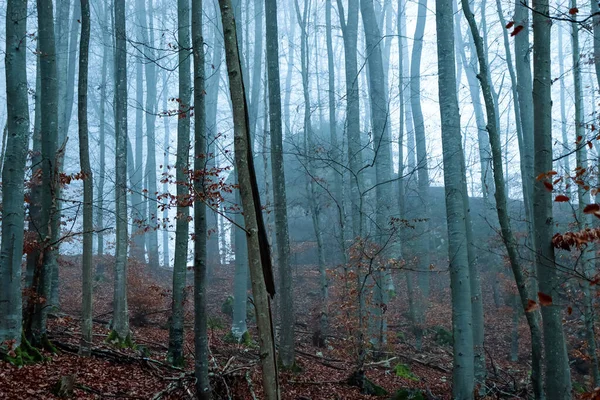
(294, 368)
(360, 380)
(245, 340)
(114, 339)
(25, 354)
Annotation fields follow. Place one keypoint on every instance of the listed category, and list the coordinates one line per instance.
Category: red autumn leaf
(573, 11)
(549, 186)
(552, 173)
(516, 31)
(589, 144)
(531, 306)
(545, 300)
(591, 208)
(510, 24)
(561, 198)
(570, 310)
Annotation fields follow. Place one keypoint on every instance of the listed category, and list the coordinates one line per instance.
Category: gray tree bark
(13, 171)
(355, 160)
(201, 358)
(422, 172)
(35, 325)
(249, 195)
(88, 185)
(558, 377)
(176, 336)
(286, 345)
(120, 323)
(382, 161)
(454, 183)
(583, 196)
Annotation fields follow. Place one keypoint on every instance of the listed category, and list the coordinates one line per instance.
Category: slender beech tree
(120, 324)
(558, 374)
(525, 90)
(454, 183)
(13, 171)
(259, 260)
(286, 345)
(102, 137)
(355, 162)
(88, 185)
(422, 172)
(166, 169)
(37, 311)
(183, 190)
(501, 196)
(382, 160)
(584, 220)
(200, 235)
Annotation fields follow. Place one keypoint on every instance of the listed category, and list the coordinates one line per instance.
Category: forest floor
(144, 374)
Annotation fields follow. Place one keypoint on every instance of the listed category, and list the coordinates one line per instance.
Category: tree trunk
(166, 169)
(286, 345)
(583, 196)
(36, 314)
(382, 161)
(251, 204)
(151, 111)
(176, 335)
(88, 186)
(500, 193)
(200, 235)
(120, 324)
(101, 143)
(454, 183)
(422, 173)
(13, 171)
(355, 162)
(558, 378)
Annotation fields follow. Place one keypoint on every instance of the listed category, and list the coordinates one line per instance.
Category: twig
(250, 386)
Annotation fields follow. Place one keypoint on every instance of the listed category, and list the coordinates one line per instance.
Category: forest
(299, 199)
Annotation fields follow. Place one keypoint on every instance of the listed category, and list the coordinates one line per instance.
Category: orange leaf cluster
(569, 240)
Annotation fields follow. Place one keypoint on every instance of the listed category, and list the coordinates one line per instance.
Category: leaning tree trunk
(259, 259)
(558, 378)
(454, 182)
(286, 345)
(176, 336)
(13, 171)
(88, 186)
(500, 192)
(120, 324)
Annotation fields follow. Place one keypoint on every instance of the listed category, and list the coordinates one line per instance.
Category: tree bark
(120, 324)
(558, 378)
(176, 335)
(454, 183)
(286, 345)
(13, 171)
(201, 358)
(250, 202)
(35, 325)
(88, 185)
